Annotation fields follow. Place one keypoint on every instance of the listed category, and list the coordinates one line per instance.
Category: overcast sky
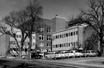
(63, 8)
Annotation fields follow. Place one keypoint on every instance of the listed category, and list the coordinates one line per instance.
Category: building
(44, 38)
(68, 39)
(41, 41)
(4, 43)
(13, 45)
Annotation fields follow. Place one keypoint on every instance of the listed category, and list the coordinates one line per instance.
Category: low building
(4, 43)
(68, 39)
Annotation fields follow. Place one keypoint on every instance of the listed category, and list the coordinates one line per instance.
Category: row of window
(41, 37)
(66, 35)
(48, 29)
(66, 44)
(42, 44)
(20, 36)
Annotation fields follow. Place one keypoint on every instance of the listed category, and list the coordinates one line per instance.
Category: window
(48, 37)
(72, 43)
(66, 34)
(57, 36)
(68, 44)
(48, 29)
(76, 32)
(60, 45)
(60, 36)
(56, 46)
(12, 42)
(33, 37)
(41, 45)
(41, 29)
(71, 33)
(64, 45)
(18, 36)
(41, 37)
(48, 45)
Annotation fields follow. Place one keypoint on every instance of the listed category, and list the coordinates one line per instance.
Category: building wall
(48, 24)
(13, 45)
(66, 39)
(71, 41)
(4, 43)
(59, 23)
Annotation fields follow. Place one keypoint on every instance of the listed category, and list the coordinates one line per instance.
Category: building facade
(4, 43)
(44, 38)
(68, 39)
(14, 47)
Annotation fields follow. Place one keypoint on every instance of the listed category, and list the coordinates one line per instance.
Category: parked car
(77, 54)
(36, 55)
(50, 55)
(58, 55)
(89, 53)
(62, 54)
(70, 54)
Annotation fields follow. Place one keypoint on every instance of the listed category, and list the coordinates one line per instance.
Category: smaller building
(68, 39)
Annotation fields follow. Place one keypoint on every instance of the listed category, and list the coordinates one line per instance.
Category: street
(40, 63)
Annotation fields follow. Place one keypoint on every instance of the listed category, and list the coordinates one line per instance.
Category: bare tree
(14, 20)
(94, 17)
(91, 42)
(34, 12)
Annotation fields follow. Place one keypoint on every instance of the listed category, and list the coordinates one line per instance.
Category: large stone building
(44, 39)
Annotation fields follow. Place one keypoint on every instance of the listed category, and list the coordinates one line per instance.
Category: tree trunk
(101, 45)
(19, 48)
(30, 44)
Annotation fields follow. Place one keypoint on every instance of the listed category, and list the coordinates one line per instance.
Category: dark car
(36, 55)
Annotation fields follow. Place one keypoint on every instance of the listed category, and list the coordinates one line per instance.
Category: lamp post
(51, 44)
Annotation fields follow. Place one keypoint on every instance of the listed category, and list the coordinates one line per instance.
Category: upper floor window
(76, 32)
(33, 37)
(71, 33)
(48, 29)
(41, 29)
(48, 45)
(66, 34)
(48, 37)
(41, 44)
(18, 36)
(41, 37)
(56, 46)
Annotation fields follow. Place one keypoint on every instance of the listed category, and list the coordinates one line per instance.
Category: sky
(63, 8)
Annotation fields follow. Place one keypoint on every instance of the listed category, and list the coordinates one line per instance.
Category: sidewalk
(77, 62)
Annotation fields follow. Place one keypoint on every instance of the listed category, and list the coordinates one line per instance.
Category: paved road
(65, 63)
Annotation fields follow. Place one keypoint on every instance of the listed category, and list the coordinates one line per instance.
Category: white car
(58, 55)
(50, 55)
(77, 54)
(70, 54)
(91, 53)
(62, 53)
